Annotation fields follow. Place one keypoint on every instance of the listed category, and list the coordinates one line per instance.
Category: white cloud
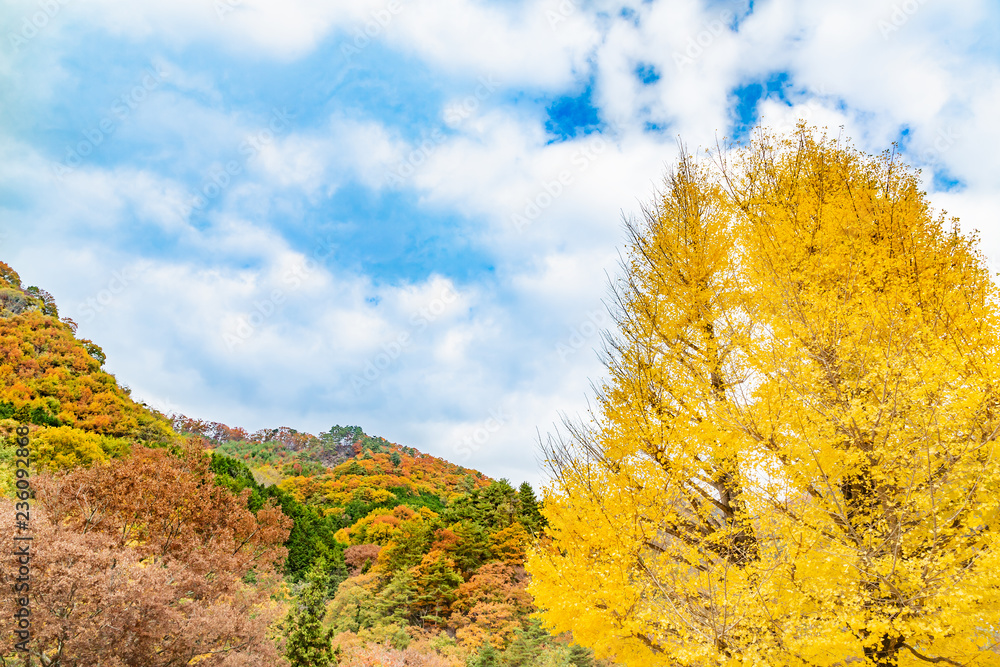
(536, 43)
(438, 357)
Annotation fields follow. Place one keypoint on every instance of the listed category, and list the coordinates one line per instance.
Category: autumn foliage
(490, 606)
(48, 377)
(142, 563)
(169, 540)
(458, 572)
(361, 557)
(794, 459)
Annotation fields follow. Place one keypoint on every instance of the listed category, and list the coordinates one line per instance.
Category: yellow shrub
(64, 447)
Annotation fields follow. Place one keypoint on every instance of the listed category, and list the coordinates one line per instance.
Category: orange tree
(145, 562)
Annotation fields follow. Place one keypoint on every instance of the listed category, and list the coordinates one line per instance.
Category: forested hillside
(201, 543)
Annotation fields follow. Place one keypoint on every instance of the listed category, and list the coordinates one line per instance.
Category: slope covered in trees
(343, 470)
(428, 556)
(201, 543)
(52, 379)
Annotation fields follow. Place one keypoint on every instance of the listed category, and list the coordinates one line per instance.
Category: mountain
(50, 378)
(343, 471)
(217, 546)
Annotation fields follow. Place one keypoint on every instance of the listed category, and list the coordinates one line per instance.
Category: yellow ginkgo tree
(793, 460)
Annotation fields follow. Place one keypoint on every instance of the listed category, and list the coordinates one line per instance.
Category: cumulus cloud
(227, 261)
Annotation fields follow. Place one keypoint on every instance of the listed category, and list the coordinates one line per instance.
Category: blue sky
(402, 213)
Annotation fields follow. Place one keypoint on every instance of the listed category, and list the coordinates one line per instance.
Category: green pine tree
(467, 484)
(436, 582)
(487, 656)
(308, 644)
(336, 573)
(522, 651)
(394, 603)
(581, 656)
(529, 513)
(498, 504)
(473, 548)
(408, 546)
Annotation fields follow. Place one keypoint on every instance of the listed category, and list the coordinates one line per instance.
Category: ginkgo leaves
(793, 458)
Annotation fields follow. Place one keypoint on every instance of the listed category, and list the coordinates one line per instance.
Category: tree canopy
(793, 459)
(145, 562)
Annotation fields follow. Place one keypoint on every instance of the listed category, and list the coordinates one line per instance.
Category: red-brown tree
(145, 563)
